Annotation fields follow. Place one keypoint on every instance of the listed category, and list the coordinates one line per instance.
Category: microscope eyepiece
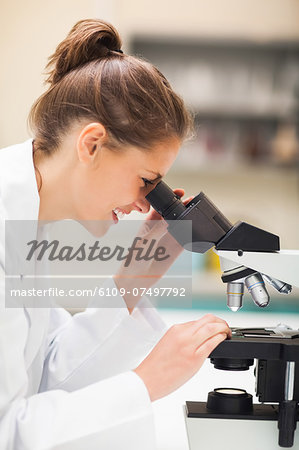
(209, 225)
(166, 202)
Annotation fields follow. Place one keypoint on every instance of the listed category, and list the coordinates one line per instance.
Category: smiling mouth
(117, 214)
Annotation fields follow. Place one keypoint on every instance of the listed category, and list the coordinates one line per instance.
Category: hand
(180, 354)
(142, 274)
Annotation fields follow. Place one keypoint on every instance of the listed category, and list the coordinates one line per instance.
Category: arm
(100, 415)
(98, 343)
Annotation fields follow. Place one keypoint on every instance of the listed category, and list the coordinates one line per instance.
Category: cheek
(106, 190)
(125, 190)
(90, 196)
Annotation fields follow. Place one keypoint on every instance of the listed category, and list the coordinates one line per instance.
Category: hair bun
(88, 40)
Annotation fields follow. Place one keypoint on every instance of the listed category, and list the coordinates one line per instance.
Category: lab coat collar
(18, 188)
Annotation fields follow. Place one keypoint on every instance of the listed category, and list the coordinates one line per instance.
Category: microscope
(249, 256)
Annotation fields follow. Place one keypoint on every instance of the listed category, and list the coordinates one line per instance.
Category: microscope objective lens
(256, 286)
(235, 293)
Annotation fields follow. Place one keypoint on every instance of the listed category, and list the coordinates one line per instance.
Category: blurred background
(236, 64)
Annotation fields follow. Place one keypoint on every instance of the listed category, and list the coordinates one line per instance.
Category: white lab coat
(66, 382)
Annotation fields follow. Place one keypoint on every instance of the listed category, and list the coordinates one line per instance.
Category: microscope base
(209, 432)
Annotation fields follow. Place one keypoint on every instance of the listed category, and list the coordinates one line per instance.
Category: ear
(91, 138)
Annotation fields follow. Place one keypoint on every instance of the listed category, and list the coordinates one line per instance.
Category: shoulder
(19, 197)
(8, 154)
(14, 161)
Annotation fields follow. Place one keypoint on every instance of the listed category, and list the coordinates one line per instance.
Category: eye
(147, 182)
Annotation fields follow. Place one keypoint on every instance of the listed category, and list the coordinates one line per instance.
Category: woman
(106, 130)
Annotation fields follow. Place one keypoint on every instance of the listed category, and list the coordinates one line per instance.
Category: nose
(142, 206)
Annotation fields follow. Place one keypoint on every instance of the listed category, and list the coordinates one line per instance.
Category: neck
(53, 182)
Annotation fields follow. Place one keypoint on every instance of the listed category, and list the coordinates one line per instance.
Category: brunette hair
(91, 79)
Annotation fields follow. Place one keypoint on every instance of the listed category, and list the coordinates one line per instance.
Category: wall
(30, 32)
(248, 19)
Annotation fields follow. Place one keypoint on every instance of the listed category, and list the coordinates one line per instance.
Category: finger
(210, 318)
(153, 215)
(194, 326)
(207, 319)
(153, 228)
(205, 349)
(187, 200)
(207, 331)
(180, 192)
